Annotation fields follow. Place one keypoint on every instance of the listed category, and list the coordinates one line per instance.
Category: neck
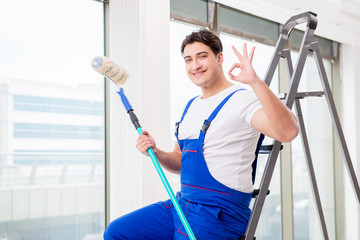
(215, 88)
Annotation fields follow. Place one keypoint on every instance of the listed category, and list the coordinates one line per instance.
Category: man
(217, 137)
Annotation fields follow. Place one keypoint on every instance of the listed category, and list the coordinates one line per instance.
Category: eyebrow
(197, 54)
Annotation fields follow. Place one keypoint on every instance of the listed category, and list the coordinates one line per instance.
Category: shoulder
(244, 96)
(244, 104)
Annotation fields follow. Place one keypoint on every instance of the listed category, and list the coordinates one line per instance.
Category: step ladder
(293, 96)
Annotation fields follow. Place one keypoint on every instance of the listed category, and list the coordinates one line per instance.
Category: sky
(55, 44)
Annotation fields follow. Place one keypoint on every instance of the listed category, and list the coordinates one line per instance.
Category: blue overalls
(213, 210)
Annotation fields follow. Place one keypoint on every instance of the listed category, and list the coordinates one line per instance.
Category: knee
(108, 234)
(114, 232)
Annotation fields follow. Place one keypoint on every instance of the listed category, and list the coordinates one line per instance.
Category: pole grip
(124, 100)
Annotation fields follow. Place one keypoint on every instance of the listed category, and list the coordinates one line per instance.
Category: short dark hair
(206, 37)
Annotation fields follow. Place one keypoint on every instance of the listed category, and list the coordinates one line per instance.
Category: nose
(195, 64)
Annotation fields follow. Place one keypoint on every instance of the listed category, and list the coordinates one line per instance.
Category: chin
(198, 83)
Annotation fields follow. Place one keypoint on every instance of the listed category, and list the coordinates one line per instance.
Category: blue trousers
(160, 221)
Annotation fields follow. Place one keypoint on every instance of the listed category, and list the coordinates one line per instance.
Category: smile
(199, 74)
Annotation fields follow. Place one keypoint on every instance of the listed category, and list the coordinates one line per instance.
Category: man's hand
(144, 142)
(171, 161)
(247, 73)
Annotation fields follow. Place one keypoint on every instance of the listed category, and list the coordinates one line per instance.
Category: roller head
(109, 69)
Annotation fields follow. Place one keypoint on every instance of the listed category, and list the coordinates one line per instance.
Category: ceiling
(338, 20)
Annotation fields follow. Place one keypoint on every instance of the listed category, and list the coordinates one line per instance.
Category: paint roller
(119, 75)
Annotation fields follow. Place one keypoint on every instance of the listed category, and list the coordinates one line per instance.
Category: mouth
(199, 74)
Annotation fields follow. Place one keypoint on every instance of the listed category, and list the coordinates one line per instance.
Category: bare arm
(171, 161)
(274, 119)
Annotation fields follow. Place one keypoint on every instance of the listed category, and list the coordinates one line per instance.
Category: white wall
(139, 41)
(350, 77)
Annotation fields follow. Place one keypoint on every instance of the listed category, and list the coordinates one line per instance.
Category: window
(52, 121)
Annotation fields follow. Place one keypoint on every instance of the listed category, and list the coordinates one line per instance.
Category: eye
(187, 60)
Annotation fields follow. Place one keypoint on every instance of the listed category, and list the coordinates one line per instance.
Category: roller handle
(157, 166)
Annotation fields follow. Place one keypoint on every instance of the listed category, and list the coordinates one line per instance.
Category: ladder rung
(266, 149)
(256, 192)
(301, 95)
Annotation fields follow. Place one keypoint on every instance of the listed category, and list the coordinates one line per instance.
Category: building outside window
(52, 121)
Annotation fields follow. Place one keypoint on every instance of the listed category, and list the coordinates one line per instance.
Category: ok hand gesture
(247, 73)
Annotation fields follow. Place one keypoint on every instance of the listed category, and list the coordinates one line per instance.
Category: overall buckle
(205, 126)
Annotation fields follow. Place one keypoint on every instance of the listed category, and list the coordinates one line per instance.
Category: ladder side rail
(335, 118)
(306, 147)
(275, 59)
(299, 67)
(289, 66)
(263, 188)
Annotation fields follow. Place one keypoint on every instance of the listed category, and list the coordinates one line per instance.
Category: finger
(245, 53)
(143, 147)
(231, 76)
(141, 138)
(142, 141)
(252, 54)
(235, 65)
(236, 52)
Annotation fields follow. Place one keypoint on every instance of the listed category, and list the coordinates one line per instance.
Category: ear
(220, 58)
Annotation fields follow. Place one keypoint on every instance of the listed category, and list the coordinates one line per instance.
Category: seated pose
(217, 139)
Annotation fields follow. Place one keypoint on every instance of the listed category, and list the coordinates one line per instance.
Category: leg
(154, 222)
(209, 222)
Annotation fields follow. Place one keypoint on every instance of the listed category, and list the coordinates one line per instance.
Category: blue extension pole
(158, 168)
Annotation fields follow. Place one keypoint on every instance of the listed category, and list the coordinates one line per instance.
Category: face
(202, 66)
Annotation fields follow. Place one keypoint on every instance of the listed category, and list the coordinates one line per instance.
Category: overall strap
(183, 115)
(207, 122)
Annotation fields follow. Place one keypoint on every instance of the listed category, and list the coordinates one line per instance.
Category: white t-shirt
(230, 142)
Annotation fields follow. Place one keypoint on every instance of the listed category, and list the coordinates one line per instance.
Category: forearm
(171, 161)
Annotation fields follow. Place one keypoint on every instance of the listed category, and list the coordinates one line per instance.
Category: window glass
(325, 45)
(52, 120)
(194, 9)
(248, 24)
